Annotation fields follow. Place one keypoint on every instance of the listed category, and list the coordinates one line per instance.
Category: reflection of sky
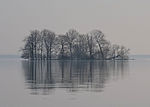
(72, 75)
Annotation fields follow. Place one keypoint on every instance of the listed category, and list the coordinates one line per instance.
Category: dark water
(74, 83)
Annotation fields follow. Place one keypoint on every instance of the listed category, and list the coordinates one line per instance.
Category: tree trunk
(70, 51)
(90, 53)
(32, 51)
(62, 52)
(101, 51)
(50, 53)
(41, 53)
(47, 54)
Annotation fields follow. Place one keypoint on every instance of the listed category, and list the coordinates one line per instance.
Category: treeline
(46, 44)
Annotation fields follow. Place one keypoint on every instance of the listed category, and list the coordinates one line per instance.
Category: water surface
(74, 83)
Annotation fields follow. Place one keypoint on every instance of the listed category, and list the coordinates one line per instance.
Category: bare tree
(100, 40)
(106, 49)
(34, 39)
(62, 43)
(90, 44)
(81, 47)
(27, 50)
(49, 38)
(41, 45)
(71, 45)
(123, 53)
(115, 51)
(31, 44)
(119, 52)
(71, 35)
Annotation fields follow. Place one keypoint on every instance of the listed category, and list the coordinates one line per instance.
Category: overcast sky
(125, 22)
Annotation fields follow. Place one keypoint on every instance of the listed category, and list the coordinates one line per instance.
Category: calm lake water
(74, 83)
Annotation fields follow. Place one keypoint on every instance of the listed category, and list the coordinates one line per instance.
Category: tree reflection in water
(73, 75)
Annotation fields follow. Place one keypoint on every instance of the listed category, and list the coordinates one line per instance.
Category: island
(47, 45)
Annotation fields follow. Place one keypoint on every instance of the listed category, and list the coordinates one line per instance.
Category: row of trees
(46, 44)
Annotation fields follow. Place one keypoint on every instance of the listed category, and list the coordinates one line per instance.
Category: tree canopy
(48, 45)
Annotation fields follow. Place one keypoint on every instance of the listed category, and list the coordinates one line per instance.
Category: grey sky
(126, 22)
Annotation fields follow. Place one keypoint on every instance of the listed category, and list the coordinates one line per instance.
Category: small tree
(123, 53)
